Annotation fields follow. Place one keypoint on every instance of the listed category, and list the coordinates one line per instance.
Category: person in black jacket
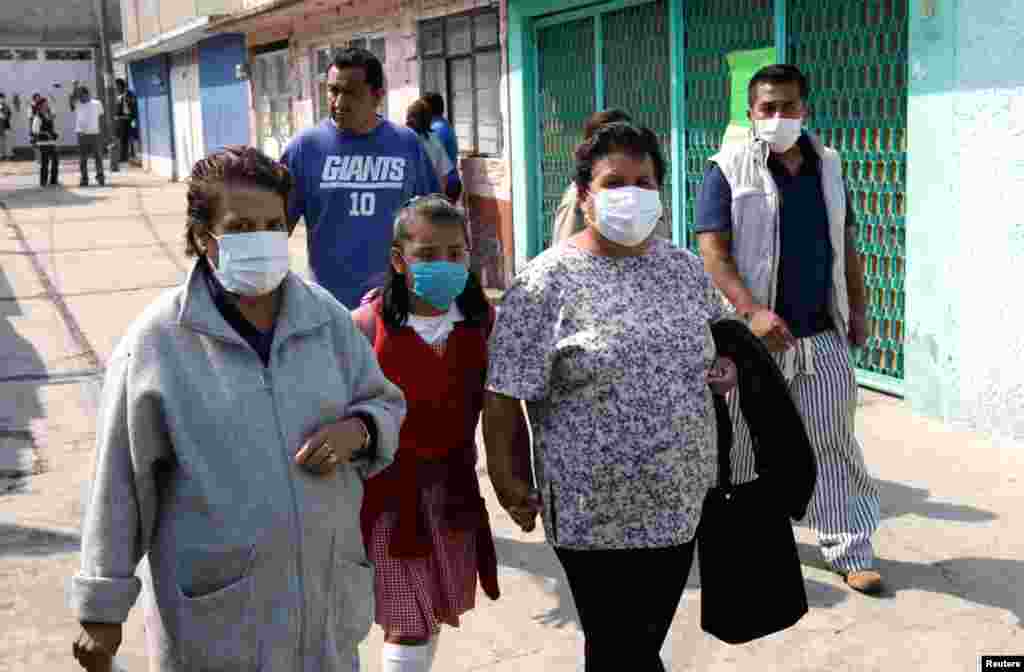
(125, 114)
(5, 126)
(44, 136)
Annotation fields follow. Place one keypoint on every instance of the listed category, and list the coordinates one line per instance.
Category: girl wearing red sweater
(424, 522)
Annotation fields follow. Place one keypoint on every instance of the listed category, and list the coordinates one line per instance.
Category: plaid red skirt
(416, 595)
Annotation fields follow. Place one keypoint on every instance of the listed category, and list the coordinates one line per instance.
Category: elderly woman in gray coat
(241, 414)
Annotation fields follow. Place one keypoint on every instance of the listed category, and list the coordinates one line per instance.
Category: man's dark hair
(121, 83)
(622, 137)
(599, 119)
(436, 101)
(780, 73)
(354, 57)
(418, 117)
(234, 164)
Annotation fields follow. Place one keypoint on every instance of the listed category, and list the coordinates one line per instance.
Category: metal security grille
(855, 58)
(714, 29)
(566, 99)
(638, 77)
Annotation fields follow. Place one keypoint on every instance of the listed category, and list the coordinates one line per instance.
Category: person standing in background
(5, 126)
(88, 112)
(568, 217)
(418, 118)
(124, 118)
(44, 136)
(352, 174)
(440, 126)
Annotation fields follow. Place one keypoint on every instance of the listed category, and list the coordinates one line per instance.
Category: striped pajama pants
(844, 509)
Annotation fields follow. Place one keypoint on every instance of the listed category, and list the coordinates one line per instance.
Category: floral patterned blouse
(612, 356)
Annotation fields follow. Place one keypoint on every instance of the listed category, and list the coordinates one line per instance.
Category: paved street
(78, 265)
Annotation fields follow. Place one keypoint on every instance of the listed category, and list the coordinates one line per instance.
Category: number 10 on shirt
(364, 204)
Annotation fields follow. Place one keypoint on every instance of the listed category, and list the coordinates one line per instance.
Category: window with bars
(460, 58)
(322, 59)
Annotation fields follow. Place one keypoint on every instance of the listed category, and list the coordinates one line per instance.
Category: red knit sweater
(444, 396)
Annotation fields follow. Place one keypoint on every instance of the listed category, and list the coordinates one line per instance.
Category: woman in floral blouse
(607, 340)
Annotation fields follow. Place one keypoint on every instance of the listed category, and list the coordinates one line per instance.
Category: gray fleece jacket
(253, 563)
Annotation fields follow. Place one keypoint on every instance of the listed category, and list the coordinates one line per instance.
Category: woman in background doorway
(419, 117)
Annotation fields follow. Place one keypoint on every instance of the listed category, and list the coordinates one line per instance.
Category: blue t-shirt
(348, 188)
(446, 135)
(805, 266)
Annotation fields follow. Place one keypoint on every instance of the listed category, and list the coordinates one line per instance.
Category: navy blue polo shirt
(805, 266)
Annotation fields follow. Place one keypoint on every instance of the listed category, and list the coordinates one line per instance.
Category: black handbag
(751, 581)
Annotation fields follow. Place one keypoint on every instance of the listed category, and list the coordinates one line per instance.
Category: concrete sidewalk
(78, 265)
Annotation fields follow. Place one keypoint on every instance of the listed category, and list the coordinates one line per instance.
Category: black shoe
(100, 180)
(84, 183)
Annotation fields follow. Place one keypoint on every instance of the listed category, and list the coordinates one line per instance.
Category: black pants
(48, 164)
(124, 138)
(90, 145)
(626, 600)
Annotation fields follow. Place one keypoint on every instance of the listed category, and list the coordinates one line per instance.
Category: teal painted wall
(965, 225)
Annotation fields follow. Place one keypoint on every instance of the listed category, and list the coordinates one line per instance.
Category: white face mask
(252, 264)
(779, 132)
(627, 215)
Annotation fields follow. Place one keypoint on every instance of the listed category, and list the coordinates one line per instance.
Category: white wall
(965, 228)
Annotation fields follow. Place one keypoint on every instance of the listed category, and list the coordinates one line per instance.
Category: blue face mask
(438, 282)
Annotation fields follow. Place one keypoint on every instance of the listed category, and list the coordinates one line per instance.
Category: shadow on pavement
(22, 191)
(28, 197)
(539, 560)
(20, 400)
(899, 500)
(33, 541)
(985, 581)
(990, 582)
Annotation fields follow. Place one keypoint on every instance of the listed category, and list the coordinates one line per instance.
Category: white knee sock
(433, 651)
(666, 652)
(401, 658)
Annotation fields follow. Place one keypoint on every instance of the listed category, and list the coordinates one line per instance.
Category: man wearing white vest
(778, 237)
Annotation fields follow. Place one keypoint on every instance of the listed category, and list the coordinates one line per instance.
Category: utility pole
(108, 96)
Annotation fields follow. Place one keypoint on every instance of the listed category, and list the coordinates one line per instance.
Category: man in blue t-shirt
(440, 126)
(352, 173)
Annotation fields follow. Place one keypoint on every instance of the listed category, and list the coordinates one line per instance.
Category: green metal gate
(855, 57)
(567, 95)
(613, 55)
(714, 28)
(637, 78)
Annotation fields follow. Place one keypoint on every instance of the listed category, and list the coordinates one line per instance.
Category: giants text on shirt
(348, 188)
